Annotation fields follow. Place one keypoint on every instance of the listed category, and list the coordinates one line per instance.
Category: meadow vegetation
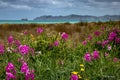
(80, 51)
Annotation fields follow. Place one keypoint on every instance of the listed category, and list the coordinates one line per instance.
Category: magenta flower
(10, 67)
(1, 49)
(115, 59)
(10, 71)
(23, 49)
(10, 39)
(10, 76)
(105, 42)
(96, 55)
(64, 36)
(24, 67)
(99, 43)
(74, 77)
(25, 32)
(29, 75)
(117, 40)
(87, 57)
(17, 42)
(39, 30)
(112, 36)
(97, 33)
(56, 43)
(89, 37)
(84, 42)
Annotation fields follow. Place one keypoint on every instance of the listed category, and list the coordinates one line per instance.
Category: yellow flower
(81, 65)
(75, 73)
(32, 37)
(82, 69)
(79, 77)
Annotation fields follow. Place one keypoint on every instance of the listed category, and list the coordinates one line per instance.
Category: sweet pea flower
(23, 49)
(84, 42)
(96, 55)
(74, 76)
(64, 36)
(10, 39)
(29, 75)
(10, 67)
(39, 30)
(117, 40)
(10, 76)
(56, 43)
(112, 36)
(105, 42)
(89, 37)
(10, 71)
(97, 33)
(87, 57)
(24, 67)
(17, 43)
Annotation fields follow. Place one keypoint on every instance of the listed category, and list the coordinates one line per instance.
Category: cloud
(108, 1)
(14, 6)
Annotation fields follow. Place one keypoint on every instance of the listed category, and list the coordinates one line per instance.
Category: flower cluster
(23, 49)
(114, 36)
(10, 71)
(29, 74)
(88, 57)
(97, 33)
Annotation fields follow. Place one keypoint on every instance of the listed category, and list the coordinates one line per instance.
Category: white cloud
(20, 7)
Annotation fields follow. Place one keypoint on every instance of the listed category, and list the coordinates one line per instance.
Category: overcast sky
(17, 9)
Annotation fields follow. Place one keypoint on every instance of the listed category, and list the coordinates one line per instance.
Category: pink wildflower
(117, 40)
(56, 43)
(39, 30)
(105, 42)
(115, 59)
(10, 71)
(10, 76)
(24, 67)
(10, 39)
(23, 49)
(64, 36)
(96, 55)
(97, 33)
(74, 77)
(17, 42)
(87, 57)
(84, 42)
(29, 75)
(112, 36)
(89, 37)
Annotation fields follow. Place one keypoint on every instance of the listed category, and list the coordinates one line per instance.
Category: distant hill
(80, 17)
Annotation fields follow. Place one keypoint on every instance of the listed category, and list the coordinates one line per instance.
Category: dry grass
(78, 32)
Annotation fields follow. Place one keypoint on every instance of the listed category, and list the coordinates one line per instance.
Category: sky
(17, 9)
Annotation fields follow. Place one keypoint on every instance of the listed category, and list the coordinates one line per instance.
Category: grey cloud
(107, 0)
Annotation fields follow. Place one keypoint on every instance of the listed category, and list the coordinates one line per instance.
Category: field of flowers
(44, 56)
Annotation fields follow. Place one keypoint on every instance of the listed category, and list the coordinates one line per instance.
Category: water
(44, 21)
(36, 21)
